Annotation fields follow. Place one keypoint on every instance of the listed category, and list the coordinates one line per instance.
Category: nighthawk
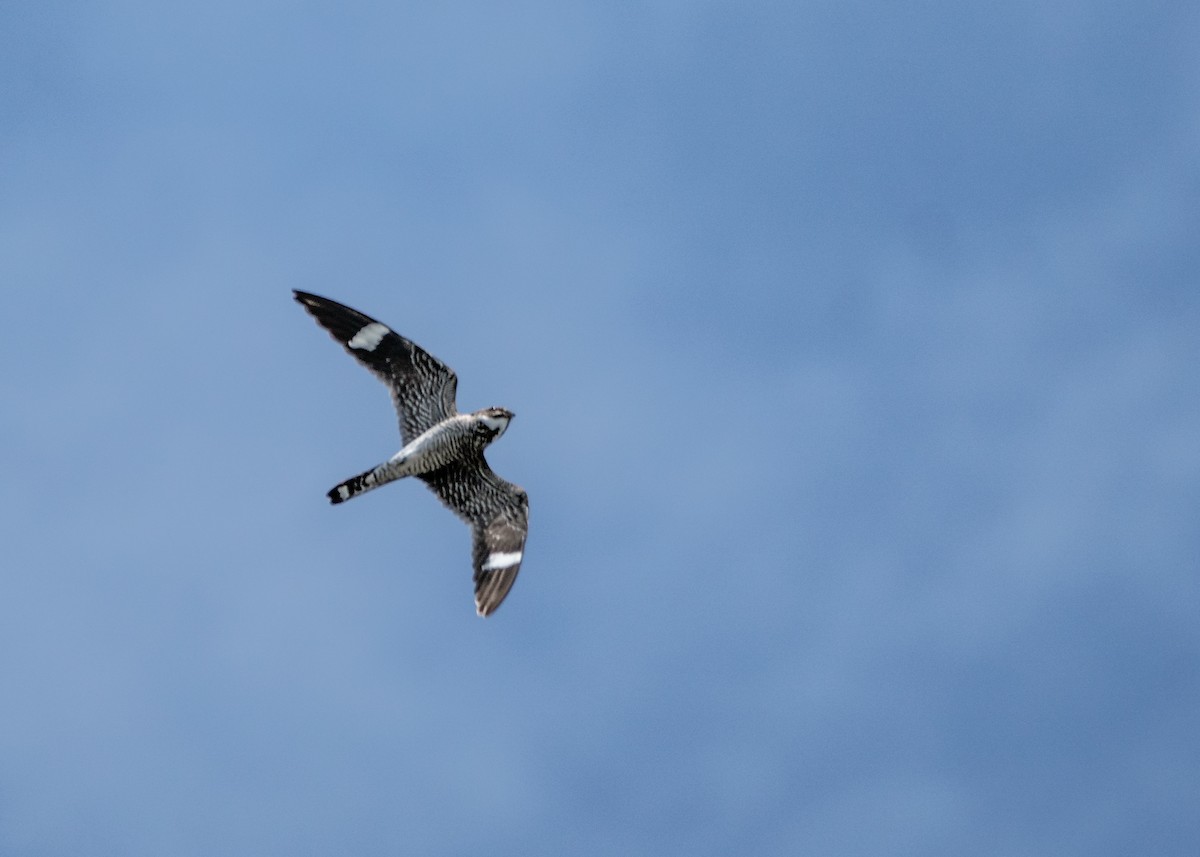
(442, 448)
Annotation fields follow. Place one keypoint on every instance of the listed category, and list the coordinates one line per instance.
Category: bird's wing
(423, 387)
(498, 513)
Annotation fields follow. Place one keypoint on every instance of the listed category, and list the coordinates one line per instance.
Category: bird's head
(496, 420)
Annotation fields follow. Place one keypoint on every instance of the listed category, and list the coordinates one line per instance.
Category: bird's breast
(449, 441)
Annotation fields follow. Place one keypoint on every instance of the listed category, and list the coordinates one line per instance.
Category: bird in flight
(441, 447)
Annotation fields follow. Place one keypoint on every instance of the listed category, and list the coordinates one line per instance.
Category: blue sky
(853, 348)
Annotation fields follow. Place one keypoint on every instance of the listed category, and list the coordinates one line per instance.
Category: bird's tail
(362, 483)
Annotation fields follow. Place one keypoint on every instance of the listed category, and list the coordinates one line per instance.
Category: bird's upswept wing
(423, 387)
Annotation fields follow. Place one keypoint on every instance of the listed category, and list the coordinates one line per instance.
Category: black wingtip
(492, 588)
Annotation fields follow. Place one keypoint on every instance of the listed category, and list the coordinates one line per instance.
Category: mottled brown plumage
(442, 448)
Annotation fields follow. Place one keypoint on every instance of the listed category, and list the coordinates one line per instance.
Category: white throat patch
(496, 424)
